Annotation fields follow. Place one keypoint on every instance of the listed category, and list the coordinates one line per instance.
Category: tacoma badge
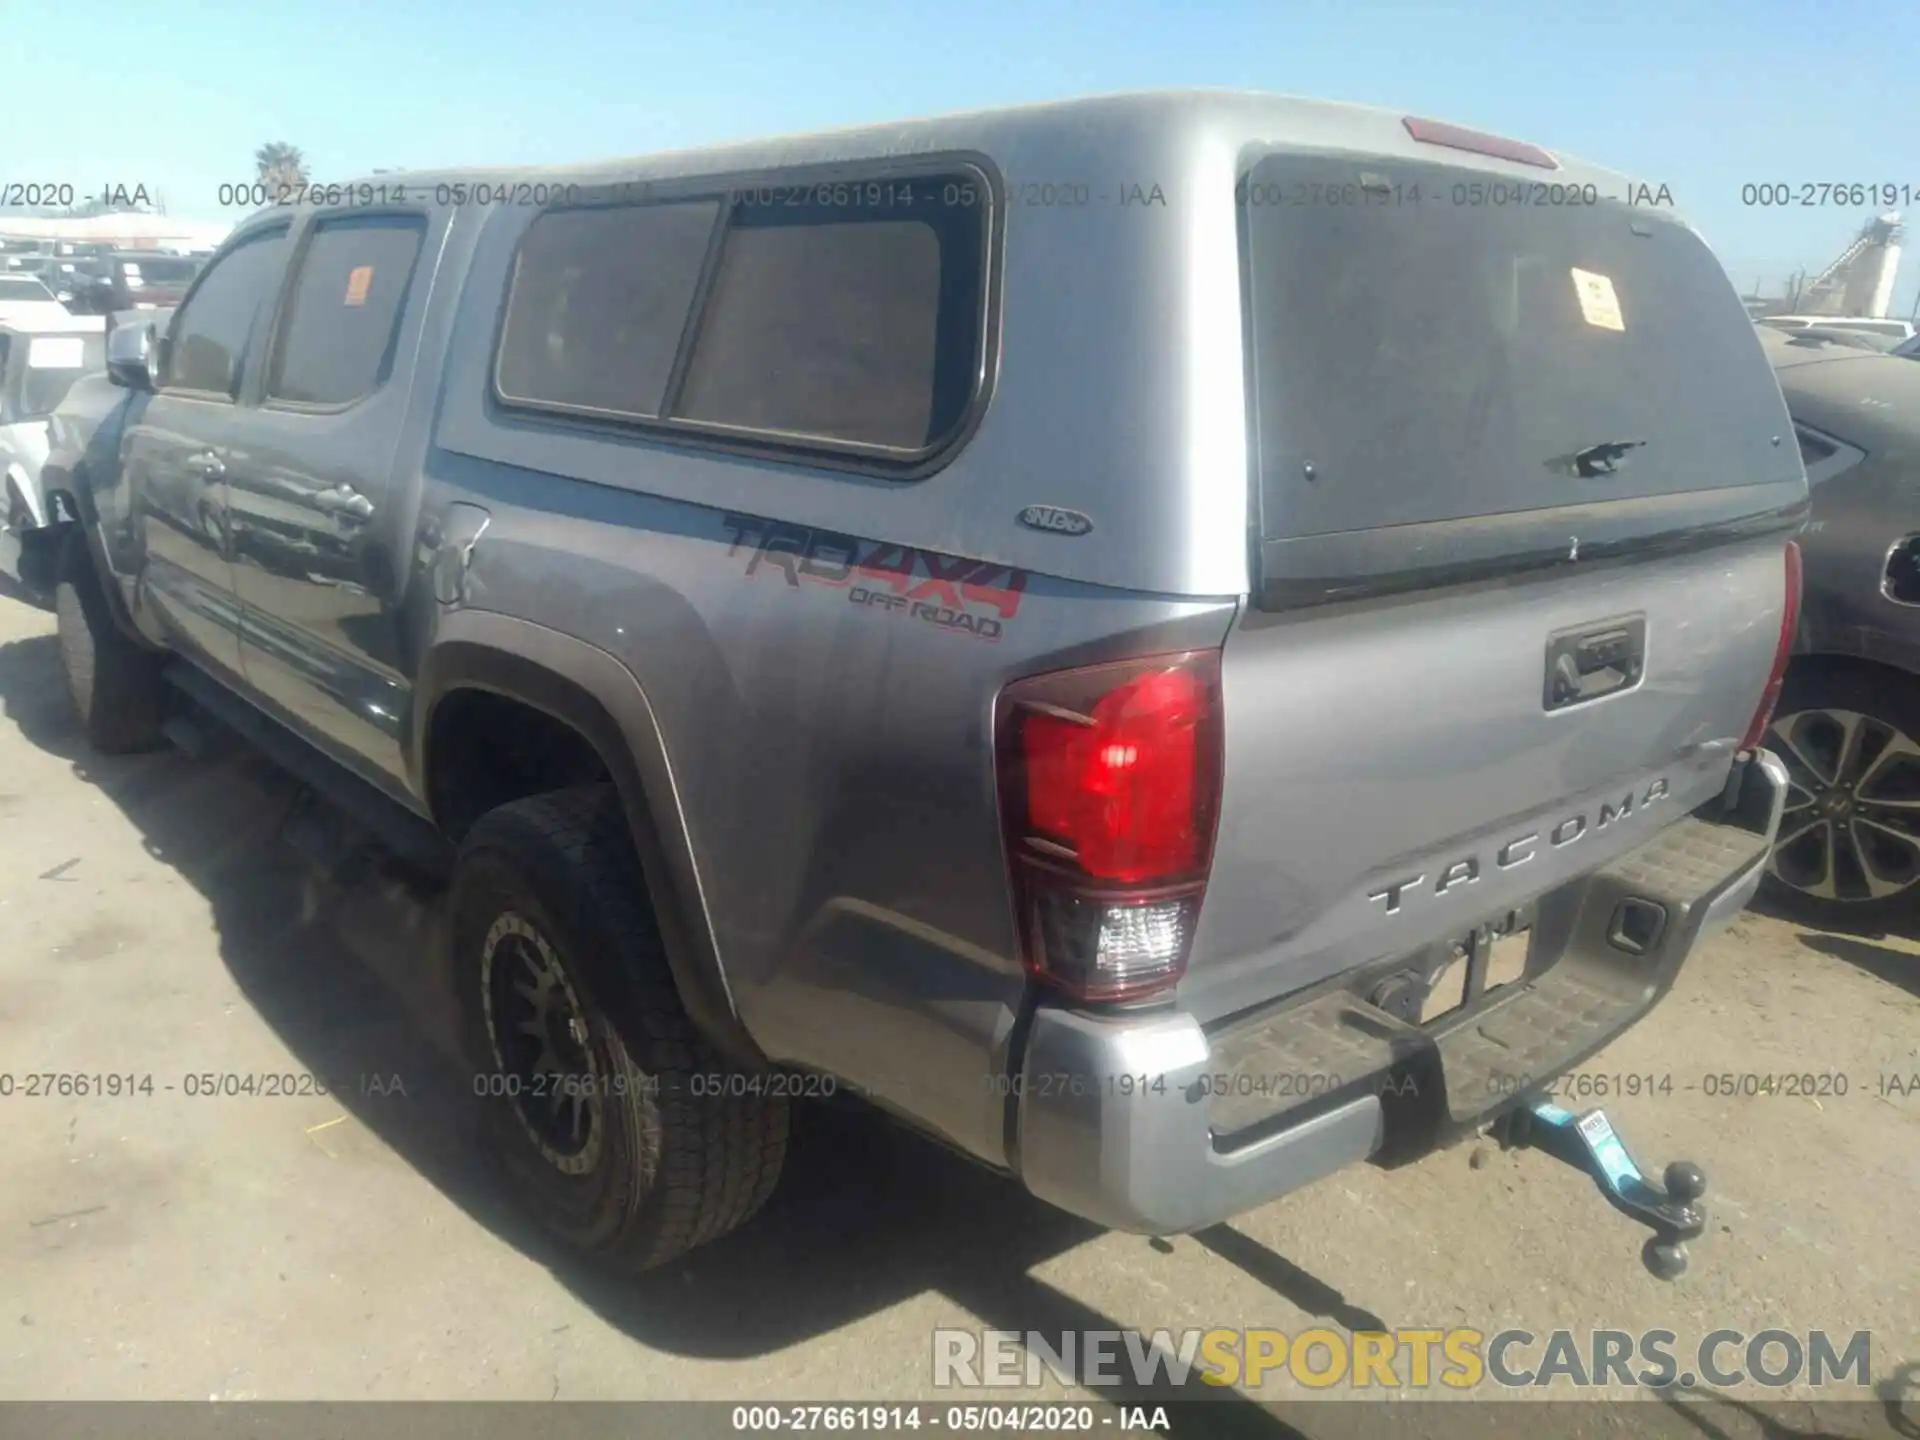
(1055, 519)
(1522, 848)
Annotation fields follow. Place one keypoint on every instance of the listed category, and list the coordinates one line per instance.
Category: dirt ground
(351, 1245)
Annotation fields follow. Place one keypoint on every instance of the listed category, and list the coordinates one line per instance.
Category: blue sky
(1702, 95)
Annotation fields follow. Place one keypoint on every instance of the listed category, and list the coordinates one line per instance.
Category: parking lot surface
(350, 1244)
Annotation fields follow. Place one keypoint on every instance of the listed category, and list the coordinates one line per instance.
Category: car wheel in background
(1849, 848)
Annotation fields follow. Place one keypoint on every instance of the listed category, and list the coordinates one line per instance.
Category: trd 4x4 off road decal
(974, 597)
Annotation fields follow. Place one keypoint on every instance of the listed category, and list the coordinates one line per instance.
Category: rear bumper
(1768, 778)
(1120, 1118)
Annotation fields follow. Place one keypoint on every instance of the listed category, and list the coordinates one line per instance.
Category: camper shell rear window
(1431, 342)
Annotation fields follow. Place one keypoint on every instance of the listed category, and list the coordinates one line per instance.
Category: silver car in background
(82, 435)
(40, 358)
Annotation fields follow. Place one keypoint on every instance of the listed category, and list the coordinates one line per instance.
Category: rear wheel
(114, 683)
(616, 1125)
(1849, 846)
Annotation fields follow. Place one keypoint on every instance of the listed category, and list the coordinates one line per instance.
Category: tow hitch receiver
(1588, 1144)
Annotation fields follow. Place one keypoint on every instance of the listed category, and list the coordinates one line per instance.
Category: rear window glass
(161, 271)
(1424, 352)
(838, 315)
(42, 370)
(54, 362)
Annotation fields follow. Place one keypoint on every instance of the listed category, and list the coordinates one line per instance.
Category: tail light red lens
(1120, 787)
(1109, 782)
(1782, 653)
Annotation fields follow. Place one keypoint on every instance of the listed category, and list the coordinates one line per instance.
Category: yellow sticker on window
(1598, 304)
(360, 280)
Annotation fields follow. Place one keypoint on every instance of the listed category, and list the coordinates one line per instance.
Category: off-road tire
(688, 1153)
(1886, 696)
(114, 683)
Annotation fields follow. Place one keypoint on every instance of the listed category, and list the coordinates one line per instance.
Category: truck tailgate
(1524, 483)
(1393, 777)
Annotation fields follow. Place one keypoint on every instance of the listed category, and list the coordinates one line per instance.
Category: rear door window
(1430, 343)
(338, 330)
(167, 271)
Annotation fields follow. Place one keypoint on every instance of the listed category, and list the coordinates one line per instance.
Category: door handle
(1595, 660)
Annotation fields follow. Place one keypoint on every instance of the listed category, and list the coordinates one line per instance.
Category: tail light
(1109, 779)
(1783, 651)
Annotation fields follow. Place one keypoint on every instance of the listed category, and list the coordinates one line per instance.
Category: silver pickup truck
(1174, 642)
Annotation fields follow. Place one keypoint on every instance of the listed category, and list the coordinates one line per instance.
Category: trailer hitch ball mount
(1672, 1210)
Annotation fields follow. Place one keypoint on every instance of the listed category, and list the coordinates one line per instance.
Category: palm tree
(279, 164)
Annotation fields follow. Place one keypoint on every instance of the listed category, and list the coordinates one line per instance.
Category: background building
(126, 230)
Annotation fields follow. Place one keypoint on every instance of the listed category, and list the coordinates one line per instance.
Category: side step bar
(409, 837)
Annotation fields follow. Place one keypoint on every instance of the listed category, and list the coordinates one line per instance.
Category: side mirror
(133, 357)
